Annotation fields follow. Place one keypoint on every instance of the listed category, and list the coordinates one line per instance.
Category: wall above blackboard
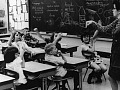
(67, 16)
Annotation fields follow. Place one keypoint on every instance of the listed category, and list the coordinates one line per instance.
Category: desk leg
(80, 79)
(44, 83)
(71, 54)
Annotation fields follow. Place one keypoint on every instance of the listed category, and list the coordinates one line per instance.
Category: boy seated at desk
(13, 60)
(54, 38)
(56, 57)
(96, 61)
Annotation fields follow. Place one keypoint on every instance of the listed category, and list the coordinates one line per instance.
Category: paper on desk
(4, 78)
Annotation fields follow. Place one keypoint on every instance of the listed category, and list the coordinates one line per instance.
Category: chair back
(11, 73)
(88, 55)
(2, 66)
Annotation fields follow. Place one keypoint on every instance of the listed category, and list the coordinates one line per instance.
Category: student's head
(51, 49)
(10, 54)
(116, 7)
(85, 38)
(18, 36)
(25, 30)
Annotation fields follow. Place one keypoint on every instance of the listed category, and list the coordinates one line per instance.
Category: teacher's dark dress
(114, 29)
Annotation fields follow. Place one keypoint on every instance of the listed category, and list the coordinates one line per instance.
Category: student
(114, 29)
(16, 36)
(13, 59)
(95, 61)
(54, 38)
(52, 55)
(28, 38)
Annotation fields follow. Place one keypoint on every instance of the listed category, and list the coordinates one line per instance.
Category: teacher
(114, 29)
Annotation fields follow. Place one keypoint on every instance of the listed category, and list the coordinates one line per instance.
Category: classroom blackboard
(67, 16)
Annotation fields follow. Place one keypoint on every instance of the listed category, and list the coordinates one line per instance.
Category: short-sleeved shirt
(57, 60)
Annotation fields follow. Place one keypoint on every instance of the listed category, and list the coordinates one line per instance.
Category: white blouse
(16, 66)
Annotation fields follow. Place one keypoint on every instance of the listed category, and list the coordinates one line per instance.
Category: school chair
(57, 79)
(93, 70)
(84, 53)
(2, 65)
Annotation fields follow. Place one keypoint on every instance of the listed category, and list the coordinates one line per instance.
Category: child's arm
(40, 36)
(57, 38)
(63, 57)
(22, 50)
(11, 37)
(93, 39)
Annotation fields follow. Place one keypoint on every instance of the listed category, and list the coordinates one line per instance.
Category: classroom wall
(3, 6)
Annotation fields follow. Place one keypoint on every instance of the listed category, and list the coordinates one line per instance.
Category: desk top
(5, 38)
(67, 46)
(4, 78)
(73, 60)
(103, 49)
(37, 67)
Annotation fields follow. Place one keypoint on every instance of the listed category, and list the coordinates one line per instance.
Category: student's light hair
(49, 47)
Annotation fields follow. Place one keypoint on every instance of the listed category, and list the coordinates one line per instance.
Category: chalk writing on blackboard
(67, 15)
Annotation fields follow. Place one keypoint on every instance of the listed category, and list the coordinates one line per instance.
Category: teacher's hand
(89, 22)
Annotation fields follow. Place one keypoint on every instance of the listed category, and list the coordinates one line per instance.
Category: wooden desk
(68, 49)
(40, 54)
(6, 82)
(39, 44)
(44, 71)
(79, 63)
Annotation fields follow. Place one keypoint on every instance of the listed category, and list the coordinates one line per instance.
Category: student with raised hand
(56, 57)
(13, 59)
(96, 61)
(54, 38)
(114, 29)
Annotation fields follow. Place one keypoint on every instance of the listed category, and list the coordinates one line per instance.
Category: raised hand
(59, 35)
(36, 29)
(89, 22)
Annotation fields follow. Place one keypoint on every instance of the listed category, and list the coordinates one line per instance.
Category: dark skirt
(114, 72)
